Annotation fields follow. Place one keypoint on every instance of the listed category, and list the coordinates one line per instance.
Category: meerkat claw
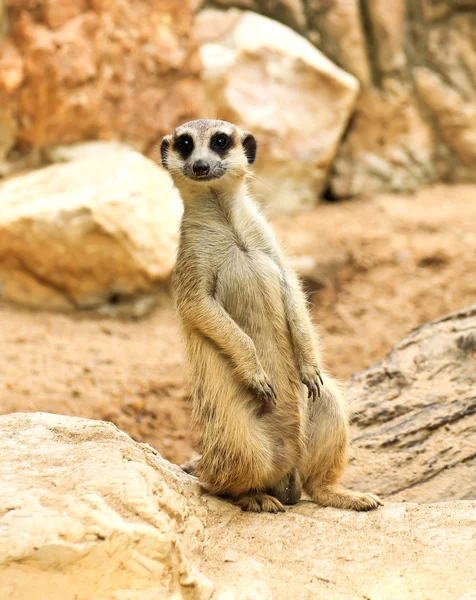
(320, 377)
(273, 393)
(313, 389)
(308, 384)
(314, 383)
(269, 396)
(265, 392)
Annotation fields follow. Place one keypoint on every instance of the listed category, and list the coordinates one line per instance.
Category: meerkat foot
(338, 498)
(260, 503)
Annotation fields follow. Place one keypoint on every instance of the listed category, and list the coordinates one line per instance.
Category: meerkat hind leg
(259, 502)
(326, 495)
(326, 456)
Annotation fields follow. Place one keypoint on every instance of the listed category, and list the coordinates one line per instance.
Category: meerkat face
(207, 152)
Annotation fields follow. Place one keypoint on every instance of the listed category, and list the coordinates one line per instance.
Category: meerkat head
(207, 153)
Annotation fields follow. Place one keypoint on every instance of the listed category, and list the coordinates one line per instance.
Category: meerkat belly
(249, 286)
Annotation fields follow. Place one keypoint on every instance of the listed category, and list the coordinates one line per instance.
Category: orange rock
(104, 72)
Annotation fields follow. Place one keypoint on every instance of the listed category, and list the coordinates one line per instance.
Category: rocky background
(350, 100)
(350, 96)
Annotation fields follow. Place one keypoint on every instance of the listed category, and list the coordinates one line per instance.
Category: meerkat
(272, 421)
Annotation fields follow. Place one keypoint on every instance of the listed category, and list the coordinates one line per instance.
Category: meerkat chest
(248, 275)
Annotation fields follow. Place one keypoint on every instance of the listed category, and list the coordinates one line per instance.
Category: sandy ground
(398, 552)
(404, 260)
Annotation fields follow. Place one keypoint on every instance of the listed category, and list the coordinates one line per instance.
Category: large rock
(389, 146)
(99, 232)
(290, 12)
(263, 76)
(400, 551)
(430, 55)
(77, 70)
(337, 29)
(86, 513)
(415, 415)
(447, 88)
(415, 121)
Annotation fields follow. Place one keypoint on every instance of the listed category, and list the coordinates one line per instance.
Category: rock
(414, 435)
(399, 551)
(97, 233)
(100, 70)
(455, 115)
(84, 150)
(11, 76)
(268, 79)
(389, 146)
(388, 23)
(336, 28)
(317, 274)
(289, 12)
(3, 18)
(414, 122)
(447, 89)
(85, 512)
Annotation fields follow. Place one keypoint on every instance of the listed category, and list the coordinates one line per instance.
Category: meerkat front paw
(259, 384)
(312, 379)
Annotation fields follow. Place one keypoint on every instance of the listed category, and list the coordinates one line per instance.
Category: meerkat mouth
(217, 173)
(210, 177)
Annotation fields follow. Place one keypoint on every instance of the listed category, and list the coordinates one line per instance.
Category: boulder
(414, 432)
(337, 29)
(401, 551)
(268, 79)
(289, 12)
(415, 121)
(78, 70)
(99, 232)
(85, 512)
(390, 145)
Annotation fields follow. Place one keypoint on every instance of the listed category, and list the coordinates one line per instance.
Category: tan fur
(247, 325)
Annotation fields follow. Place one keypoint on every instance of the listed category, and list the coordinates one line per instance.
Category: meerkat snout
(214, 152)
(201, 168)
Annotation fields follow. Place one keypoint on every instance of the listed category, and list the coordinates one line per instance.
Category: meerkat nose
(201, 168)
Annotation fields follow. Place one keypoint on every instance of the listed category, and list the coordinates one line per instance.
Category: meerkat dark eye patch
(221, 143)
(164, 149)
(249, 147)
(184, 145)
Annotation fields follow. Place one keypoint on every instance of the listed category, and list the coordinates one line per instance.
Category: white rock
(270, 80)
(86, 513)
(99, 232)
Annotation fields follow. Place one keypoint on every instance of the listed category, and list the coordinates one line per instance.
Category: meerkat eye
(220, 142)
(184, 145)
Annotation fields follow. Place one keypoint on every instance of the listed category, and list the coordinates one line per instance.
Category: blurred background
(365, 114)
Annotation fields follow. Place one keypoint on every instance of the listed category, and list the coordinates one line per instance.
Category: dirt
(407, 260)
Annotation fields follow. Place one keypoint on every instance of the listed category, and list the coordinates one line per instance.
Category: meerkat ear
(249, 147)
(164, 150)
